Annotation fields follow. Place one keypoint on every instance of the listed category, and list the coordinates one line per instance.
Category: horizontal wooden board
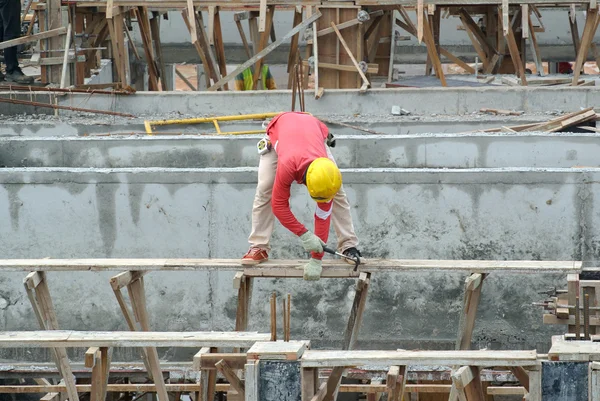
(313, 359)
(68, 338)
(289, 268)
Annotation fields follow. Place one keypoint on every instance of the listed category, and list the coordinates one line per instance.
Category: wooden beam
(264, 52)
(366, 82)
(155, 33)
(219, 44)
(457, 61)
(535, 50)
(230, 375)
(33, 38)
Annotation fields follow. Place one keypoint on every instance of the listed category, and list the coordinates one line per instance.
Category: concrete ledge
(402, 151)
(454, 101)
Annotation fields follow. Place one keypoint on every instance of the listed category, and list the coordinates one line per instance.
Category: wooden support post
(98, 359)
(265, 51)
(219, 45)
(515, 56)
(432, 52)
(231, 377)
(38, 293)
(240, 28)
(396, 383)
(54, 20)
(244, 286)
(574, 28)
(535, 384)
(206, 47)
(144, 25)
(252, 379)
(591, 25)
(522, 375)
(293, 55)
(484, 50)
(310, 383)
(535, 50)
(134, 281)
(264, 41)
(155, 31)
(315, 55)
(191, 25)
(351, 335)
(472, 293)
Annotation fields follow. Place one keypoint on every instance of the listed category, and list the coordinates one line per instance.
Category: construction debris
(554, 125)
(501, 112)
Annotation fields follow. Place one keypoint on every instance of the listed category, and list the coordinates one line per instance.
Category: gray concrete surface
(377, 102)
(355, 151)
(537, 214)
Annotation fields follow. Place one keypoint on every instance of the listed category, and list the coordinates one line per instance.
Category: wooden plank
(262, 16)
(206, 46)
(315, 55)
(522, 375)
(211, 25)
(325, 359)
(333, 268)
(244, 39)
(265, 52)
(63, 78)
(144, 25)
(356, 312)
(33, 38)
(293, 54)
(278, 350)
(372, 68)
(420, 21)
(352, 58)
(474, 389)
(574, 28)
(192, 28)
(591, 26)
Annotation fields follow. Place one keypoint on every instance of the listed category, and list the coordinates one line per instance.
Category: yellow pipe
(150, 124)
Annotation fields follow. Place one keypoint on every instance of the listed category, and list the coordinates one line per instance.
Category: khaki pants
(263, 219)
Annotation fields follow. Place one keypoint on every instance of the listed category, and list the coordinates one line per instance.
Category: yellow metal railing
(215, 120)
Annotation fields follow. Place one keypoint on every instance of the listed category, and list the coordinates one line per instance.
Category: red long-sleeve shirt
(298, 139)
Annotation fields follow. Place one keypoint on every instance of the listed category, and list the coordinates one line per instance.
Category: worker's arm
(322, 222)
(280, 201)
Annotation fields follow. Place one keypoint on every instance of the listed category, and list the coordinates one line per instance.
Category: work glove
(311, 242)
(312, 270)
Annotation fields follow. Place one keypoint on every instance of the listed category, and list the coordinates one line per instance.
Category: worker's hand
(312, 270)
(311, 242)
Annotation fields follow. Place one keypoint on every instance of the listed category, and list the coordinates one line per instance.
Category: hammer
(356, 260)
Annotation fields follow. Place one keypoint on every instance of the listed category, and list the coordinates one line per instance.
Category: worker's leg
(10, 14)
(263, 219)
(341, 218)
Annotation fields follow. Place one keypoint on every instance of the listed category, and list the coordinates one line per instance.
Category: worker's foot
(352, 253)
(255, 256)
(18, 77)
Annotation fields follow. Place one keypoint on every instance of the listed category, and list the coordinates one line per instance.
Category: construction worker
(10, 28)
(244, 81)
(297, 149)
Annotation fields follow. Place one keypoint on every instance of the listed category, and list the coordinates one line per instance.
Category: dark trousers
(10, 28)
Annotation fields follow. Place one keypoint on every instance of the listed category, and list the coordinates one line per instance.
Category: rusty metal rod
(64, 90)
(57, 107)
(274, 317)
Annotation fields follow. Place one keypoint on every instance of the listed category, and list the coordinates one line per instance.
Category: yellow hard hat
(323, 180)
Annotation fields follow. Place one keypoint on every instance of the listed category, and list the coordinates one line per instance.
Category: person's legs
(341, 218)
(10, 13)
(263, 220)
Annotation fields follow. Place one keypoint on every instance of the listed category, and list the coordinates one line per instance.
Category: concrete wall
(407, 151)
(537, 214)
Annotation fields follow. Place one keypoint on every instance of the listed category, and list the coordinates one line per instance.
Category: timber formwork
(209, 360)
(348, 43)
